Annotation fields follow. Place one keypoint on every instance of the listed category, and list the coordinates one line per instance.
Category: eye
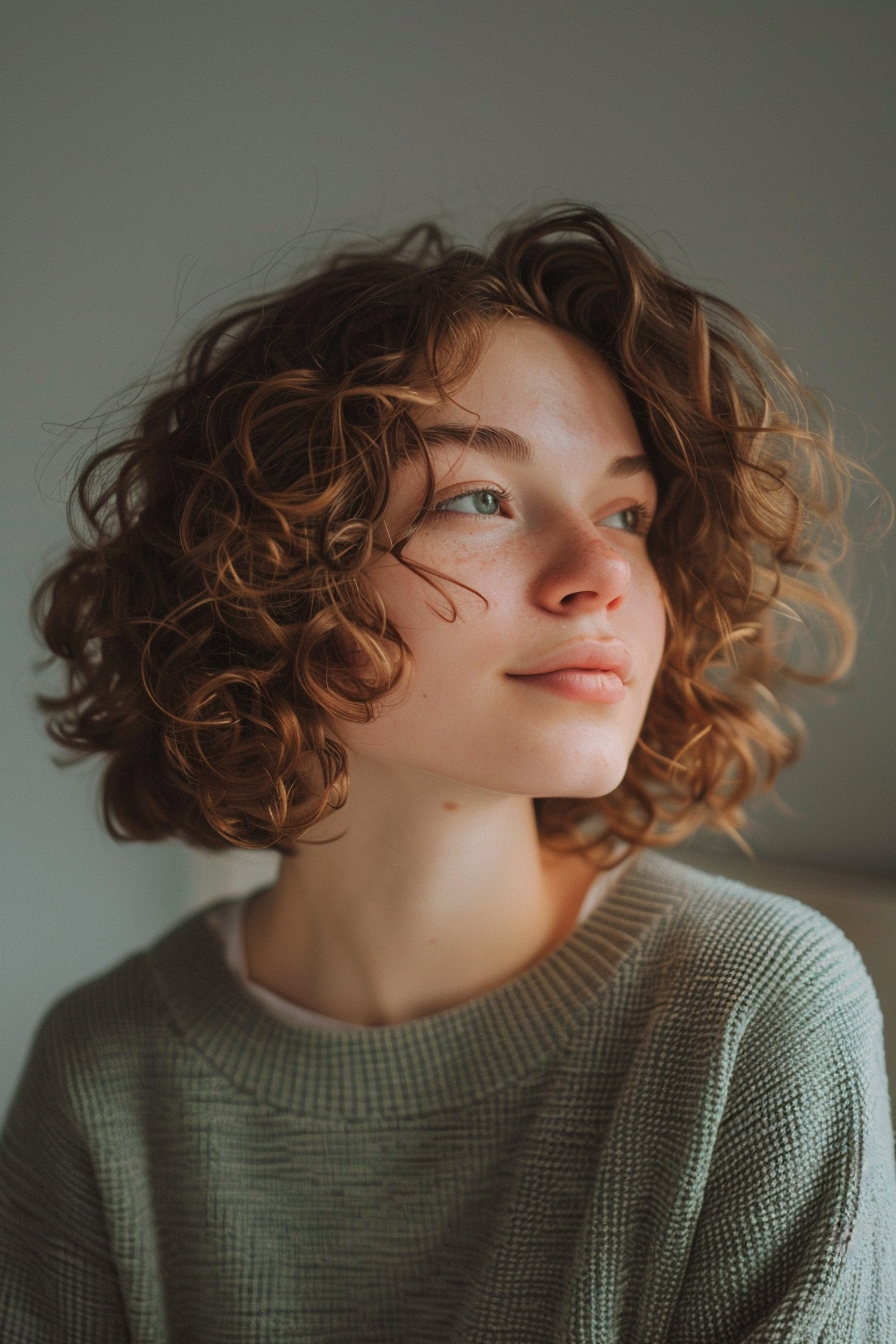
(474, 503)
(635, 518)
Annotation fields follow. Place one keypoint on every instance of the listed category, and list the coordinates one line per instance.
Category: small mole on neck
(451, 807)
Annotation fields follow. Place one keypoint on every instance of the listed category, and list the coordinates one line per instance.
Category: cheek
(647, 627)
(408, 599)
(659, 619)
(418, 607)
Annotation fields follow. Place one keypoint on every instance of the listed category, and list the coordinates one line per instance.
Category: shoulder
(103, 1031)
(757, 952)
(768, 1028)
(763, 1006)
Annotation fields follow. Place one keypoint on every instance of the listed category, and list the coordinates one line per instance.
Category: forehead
(536, 391)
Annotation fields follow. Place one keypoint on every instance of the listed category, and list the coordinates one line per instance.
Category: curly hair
(222, 548)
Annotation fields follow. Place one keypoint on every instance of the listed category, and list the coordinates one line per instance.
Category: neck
(416, 896)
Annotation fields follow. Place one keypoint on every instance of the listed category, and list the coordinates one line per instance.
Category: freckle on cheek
(451, 807)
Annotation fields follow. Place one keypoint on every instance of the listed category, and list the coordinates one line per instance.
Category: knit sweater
(673, 1128)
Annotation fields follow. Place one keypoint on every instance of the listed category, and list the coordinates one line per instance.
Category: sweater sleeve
(57, 1276)
(796, 1239)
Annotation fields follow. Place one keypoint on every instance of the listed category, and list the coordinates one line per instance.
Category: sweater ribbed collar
(434, 1063)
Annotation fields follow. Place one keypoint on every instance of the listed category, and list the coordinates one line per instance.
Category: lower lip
(579, 683)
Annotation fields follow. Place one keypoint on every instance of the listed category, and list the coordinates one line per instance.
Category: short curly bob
(222, 549)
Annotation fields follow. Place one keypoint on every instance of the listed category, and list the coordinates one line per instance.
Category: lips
(586, 655)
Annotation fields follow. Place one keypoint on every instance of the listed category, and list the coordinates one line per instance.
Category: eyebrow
(493, 441)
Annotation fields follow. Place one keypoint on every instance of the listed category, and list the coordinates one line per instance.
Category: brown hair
(221, 548)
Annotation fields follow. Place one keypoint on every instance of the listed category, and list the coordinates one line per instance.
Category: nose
(582, 572)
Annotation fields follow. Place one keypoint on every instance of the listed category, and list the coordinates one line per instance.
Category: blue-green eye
(634, 519)
(474, 503)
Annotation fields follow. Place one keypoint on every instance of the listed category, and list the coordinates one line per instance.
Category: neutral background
(162, 159)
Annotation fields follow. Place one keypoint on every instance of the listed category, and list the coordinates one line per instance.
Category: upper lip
(603, 655)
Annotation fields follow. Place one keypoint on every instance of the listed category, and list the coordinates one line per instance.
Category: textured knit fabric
(675, 1127)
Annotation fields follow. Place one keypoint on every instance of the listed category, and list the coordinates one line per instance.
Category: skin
(437, 888)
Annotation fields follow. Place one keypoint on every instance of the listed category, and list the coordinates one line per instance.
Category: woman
(458, 578)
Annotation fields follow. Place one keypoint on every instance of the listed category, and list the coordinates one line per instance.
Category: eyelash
(502, 496)
(642, 513)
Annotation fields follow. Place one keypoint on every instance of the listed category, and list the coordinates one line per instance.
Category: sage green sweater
(673, 1128)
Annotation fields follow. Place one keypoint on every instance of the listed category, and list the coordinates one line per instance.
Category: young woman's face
(544, 514)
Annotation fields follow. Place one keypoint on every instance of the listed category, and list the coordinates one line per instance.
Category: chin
(581, 773)
(565, 783)
(597, 788)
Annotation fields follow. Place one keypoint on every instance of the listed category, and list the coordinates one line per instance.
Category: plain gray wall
(158, 155)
